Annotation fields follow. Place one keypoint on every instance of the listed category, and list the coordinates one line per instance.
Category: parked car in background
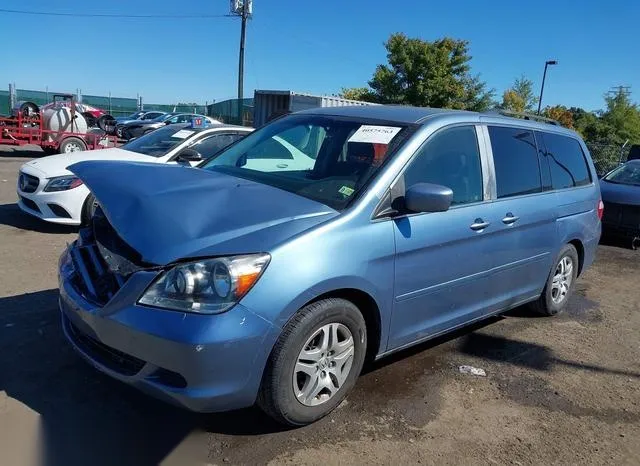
(137, 128)
(48, 190)
(138, 116)
(621, 195)
(242, 282)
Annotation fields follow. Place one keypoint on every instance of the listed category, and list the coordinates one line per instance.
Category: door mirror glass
(427, 197)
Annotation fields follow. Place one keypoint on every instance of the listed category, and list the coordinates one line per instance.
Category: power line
(109, 15)
(620, 90)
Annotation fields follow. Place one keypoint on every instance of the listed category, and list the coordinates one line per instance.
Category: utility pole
(244, 9)
(620, 90)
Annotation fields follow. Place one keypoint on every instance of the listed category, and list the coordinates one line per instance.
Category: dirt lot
(558, 391)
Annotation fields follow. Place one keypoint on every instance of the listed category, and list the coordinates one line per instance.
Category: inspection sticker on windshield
(346, 191)
(375, 134)
(182, 134)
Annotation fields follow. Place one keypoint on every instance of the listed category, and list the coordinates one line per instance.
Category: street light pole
(544, 76)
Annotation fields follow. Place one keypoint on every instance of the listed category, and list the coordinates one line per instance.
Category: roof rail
(523, 116)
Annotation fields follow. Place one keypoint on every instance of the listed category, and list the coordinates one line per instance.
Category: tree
(623, 116)
(520, 97)
(561, 114)
(426, 74)
(358, 93)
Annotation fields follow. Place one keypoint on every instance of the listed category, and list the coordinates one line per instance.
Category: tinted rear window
(566, 161)
(516, 161)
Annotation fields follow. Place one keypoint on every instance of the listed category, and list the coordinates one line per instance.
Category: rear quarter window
(515, 157)
(566, 161)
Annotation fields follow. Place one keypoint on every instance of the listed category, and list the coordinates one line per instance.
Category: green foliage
(520, 97)
(426, 74)
(624, 116)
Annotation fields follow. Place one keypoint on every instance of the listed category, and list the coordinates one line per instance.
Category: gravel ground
(562, 390)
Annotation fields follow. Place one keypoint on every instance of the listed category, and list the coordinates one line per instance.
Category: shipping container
(269, 104)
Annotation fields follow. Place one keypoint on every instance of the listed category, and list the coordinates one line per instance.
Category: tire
(554, 299)
(278, 396)
(72, 144)
(88, 209)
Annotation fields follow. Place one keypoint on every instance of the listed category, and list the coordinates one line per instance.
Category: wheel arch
(577, 243)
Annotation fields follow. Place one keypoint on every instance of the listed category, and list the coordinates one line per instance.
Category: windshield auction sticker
(375, 134)
(182, 134)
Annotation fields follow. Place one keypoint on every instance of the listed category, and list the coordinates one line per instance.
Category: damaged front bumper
(205, 363)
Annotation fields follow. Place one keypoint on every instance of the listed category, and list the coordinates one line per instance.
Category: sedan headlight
(208, 286)
(62, 183)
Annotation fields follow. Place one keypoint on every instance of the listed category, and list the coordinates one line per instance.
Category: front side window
(328, 159)
(566, 161)
(211, 145)
(450, 158)
(152, 115)
(515, 157)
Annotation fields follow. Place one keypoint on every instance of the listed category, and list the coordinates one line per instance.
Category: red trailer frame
(22, 130)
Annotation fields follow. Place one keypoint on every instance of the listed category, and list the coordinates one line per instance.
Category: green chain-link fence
(116, 106)
(607, 156)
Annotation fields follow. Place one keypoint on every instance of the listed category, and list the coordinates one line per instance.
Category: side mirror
(427, 197)
(190, 155)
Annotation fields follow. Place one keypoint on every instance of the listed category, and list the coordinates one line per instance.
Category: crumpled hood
(620, 193)
(169, 212)
(56, 165)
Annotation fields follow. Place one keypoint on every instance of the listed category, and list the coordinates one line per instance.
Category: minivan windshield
(629, 173)
(328, 159)
(159, 142)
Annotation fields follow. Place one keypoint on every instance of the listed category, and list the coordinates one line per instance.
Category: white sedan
(46, 189)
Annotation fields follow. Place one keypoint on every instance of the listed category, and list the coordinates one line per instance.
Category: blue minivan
(272, 272)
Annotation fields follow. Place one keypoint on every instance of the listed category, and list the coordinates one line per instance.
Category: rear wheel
(315, 363)
(560, 283)
(72, 144)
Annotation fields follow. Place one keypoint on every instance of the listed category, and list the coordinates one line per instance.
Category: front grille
(29, 204)
(109, 357)
(621, 215)
(28, 183)
(93, 279)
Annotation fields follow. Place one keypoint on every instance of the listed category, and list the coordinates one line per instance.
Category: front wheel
(560, 283)
(315, 363)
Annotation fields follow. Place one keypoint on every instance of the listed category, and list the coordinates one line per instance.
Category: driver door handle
(479, 225)
(510, 219)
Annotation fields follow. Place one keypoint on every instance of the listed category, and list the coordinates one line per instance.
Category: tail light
(600, 209)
